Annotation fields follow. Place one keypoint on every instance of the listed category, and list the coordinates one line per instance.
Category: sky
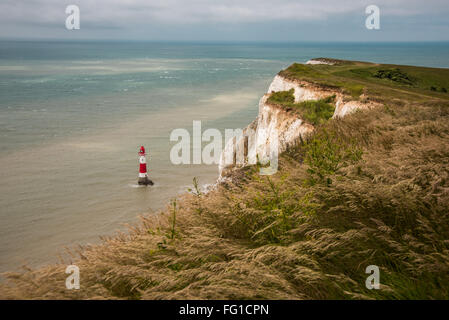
(226, 20)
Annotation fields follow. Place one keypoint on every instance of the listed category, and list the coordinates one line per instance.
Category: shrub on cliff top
(282, 97)
(395, 75)
(312, 111)
(326, 153)
(315, 111)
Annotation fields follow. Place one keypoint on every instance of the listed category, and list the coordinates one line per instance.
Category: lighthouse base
(145, 181)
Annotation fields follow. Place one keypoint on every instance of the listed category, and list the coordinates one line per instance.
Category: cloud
(200, 11)
(134, 14)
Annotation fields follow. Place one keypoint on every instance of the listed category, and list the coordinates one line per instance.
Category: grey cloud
(198, 11)
(140, 14)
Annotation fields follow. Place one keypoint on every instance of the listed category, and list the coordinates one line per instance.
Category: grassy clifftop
(368, 189)
(381, 82)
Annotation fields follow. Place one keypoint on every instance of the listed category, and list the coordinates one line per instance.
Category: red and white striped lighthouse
(143, 174)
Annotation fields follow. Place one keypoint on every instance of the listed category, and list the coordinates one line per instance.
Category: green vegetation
(381, 82)
(367, 189)
(303, 71)
(441, 89)
(354, 90)
(282, 98)
(326, 153)
(395, 75)
(312, 111)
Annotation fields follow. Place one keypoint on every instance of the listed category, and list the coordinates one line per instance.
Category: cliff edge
(277, 123)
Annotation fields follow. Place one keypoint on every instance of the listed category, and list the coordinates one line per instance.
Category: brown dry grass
(289, 236)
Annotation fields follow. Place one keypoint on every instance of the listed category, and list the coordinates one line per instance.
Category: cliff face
(276, 127)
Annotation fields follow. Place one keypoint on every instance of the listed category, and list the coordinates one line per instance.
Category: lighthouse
(143, 175)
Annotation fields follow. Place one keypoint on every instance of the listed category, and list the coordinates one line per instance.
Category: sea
(74, 114)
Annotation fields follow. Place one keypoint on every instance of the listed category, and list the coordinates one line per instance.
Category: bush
(312, 111)
(395, 75)
(316, 112)
(326, 153)
(282, 97)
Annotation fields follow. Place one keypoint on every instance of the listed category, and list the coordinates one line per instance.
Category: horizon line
(217, 41)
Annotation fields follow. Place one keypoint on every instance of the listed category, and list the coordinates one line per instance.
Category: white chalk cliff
(254, 144)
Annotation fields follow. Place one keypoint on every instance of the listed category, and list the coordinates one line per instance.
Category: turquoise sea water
(72, 116)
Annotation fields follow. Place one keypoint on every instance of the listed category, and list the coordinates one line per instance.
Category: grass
(371, 188)
(382, 82)
(312, 111)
